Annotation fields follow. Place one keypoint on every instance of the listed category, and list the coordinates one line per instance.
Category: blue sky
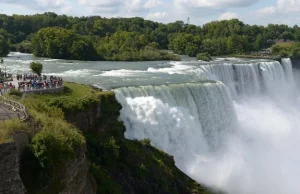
(259, 12)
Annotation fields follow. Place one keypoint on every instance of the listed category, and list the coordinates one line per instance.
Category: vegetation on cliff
(54, 141)
(118, 165)
(291, 50)
(8, 127)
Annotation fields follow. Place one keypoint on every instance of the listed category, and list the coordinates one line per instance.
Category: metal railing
(48, 89)
(15, 105)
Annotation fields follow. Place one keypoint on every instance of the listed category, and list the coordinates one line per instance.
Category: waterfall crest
(252, 78)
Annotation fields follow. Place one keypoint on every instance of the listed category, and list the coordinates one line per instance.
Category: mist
(255, 142)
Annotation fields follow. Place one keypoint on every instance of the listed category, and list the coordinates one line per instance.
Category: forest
(133, 39)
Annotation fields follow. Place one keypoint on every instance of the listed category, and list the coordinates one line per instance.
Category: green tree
(4, 47)
(204, 57)
(259, 42)
(36, 67)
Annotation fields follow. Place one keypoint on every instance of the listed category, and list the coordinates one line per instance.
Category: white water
(249, 145)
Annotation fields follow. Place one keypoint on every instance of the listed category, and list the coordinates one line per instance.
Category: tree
(259, 42)
(4, 47)
(36, 67)
(204, 57)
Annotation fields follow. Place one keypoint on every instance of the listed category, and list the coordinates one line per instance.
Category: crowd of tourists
(29, 82)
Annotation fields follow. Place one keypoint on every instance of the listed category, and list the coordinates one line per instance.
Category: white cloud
(281, 7)
(113, 7)
(200, 11)
(152, 4)
(266, 11)
(108, 3)
(282, 12)
(51, 3)
(59, 6)
(288, 5)
(228, 16)
(214, 3)
(157, 16)
(207, 10)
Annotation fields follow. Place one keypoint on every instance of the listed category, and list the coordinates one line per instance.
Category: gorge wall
(10, 154)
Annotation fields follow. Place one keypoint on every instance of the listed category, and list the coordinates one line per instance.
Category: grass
(10, 126)
(79, 90)
(285, 44)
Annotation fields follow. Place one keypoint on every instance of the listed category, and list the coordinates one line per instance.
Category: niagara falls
(149, 96)
(238, 133)
(230, 124)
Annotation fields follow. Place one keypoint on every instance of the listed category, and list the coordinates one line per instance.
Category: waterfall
(172, 115)
(288, 71)
(241, 146)
(248, 79)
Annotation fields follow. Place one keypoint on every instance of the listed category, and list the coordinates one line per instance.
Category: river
(107, 74)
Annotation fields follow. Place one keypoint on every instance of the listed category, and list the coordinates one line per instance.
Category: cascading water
(288, 71)
(158, 111)
(244, 146)
(244, 79)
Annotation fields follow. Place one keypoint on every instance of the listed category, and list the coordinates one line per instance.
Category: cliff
(10, 154)
(61, 159)
(125, 166)
(296, 63)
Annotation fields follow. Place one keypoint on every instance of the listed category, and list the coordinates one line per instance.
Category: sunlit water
(239, 134)
(105, 74)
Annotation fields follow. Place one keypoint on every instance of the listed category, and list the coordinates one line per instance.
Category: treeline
(95, 38)
(291, 50)
(60, 43)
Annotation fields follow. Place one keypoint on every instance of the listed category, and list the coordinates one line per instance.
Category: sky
(260, 12)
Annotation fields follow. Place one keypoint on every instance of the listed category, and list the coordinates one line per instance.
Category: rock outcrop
(10, 154)
(75, 176)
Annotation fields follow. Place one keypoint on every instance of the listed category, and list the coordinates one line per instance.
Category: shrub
(146, 142)
(15, 92)
(55, 147)
(105, 183)
(204, 57)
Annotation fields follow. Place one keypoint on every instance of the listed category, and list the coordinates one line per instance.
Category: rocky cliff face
(87, 119)
(296, 63)
(10, 154)
(75, 176)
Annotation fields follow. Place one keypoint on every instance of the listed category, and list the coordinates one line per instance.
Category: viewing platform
(29, 83)
(26, 83)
